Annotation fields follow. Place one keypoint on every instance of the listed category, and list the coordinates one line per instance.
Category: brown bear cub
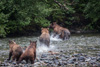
(63, 33)
(15, 51)
(30, 53)
(45, 37)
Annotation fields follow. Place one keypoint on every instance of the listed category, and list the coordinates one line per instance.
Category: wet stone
(6, 61)
(99, 55)
(60, 63)
(80, 54)
(46, 61)
(98, 59)
(57, 57)
(53, 65)
(88, 59)
(76, 55)
(14, 63)
(93, 58)
(83, 64)
(81, 58)
(92, 61)
(6, 64)
(37, 63)
(66, 56)
(63, 59)
(43, 55)
(50, 62)
(73, 59)
(23, 62)
(56, 62)
(98, 64)
(42, 59)
(76, 63)
(71, 65)
(64, 62)
(16, 66)
(70, 61)
(2, 64)
(10, 61)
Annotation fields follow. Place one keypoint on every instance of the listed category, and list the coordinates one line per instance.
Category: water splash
(56, 38)
(44, 48)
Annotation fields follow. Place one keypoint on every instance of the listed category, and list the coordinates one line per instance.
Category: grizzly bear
(45, 37)
(63, 33)
(15, 51)
(30, 53)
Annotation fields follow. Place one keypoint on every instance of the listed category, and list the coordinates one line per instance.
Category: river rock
(98, 59)
(43, 55)
(81, 58)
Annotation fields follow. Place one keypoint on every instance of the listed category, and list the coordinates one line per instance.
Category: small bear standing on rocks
(30, 53)
(15, 51)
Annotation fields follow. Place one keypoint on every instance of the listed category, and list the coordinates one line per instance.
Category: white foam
(44, 48)
(56, 38)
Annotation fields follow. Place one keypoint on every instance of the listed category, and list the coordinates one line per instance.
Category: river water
(88, 44)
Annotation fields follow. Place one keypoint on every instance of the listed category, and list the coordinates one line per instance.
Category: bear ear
(48, 28)
(10, 41)
(14, 40)
(35, 41)
(41, 28)
(30, 41)
(54, 22)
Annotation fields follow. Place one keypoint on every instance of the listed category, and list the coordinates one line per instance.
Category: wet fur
(15, 51)
(63, 33)
(45, 37)
(29, 54)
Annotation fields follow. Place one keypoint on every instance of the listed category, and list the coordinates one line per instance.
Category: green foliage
(41, 12)
(17, 14)
(2, 30)
(92, 11)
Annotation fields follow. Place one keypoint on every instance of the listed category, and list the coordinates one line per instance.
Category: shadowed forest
(23, 17)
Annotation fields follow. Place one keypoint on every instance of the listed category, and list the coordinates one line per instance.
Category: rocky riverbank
(78, 51)
(55, 59)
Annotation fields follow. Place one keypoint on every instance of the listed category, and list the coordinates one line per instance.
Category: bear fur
(15, 51)
(63, 33)
(30, 53)
(45, 37)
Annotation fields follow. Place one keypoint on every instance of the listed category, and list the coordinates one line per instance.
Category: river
(88, 44)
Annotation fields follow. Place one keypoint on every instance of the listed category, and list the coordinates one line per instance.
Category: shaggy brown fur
(30, 53)
(15, 51)
(45, 37)
(63, 33)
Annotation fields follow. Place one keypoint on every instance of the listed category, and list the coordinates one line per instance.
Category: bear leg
(54, 35)
(47, 42)
(17, 58)
(10, 54)
(13, 57)
(20, 59)
(26, 60)
(32, 60)
(34, 55)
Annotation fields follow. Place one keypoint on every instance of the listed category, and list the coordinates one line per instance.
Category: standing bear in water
(30, 53)
(15, 51)
(45, 37)
(63, 33)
